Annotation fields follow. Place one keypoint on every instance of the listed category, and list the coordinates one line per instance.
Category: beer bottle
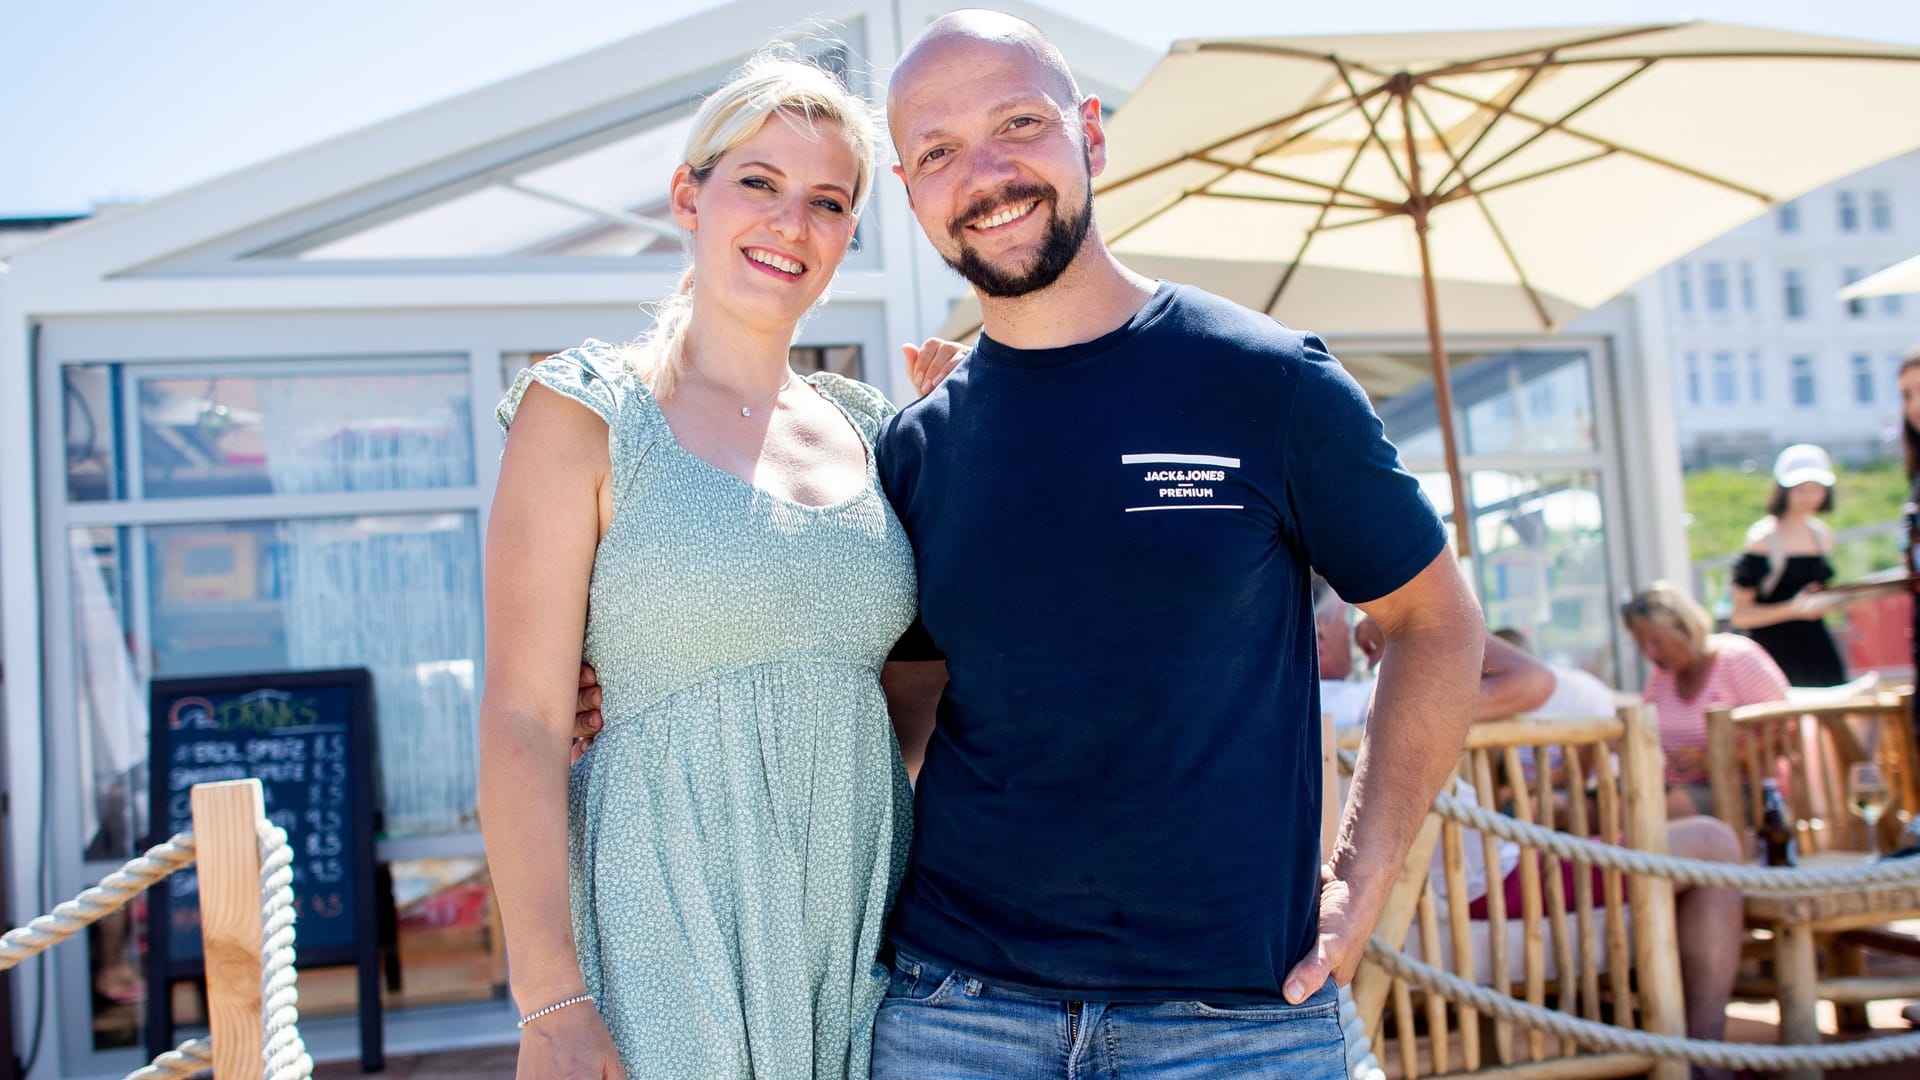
(1776, 829)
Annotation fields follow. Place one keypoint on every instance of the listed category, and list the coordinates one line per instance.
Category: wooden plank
(1723, 769)
(1533, 956)
(1404, 1030)
(1460, 926)
(1436, 1005)
(1556, 895)
(1578, 824)
(1612, 888)
(1793, 966)
(1861, 989)
(1657, 956)
(1497, 959)
(227, 854)
(1538, 731)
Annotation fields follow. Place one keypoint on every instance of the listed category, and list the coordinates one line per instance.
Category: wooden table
(1796, 921)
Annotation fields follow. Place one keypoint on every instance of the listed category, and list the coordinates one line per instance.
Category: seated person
(1694, 669)
(1513, 683)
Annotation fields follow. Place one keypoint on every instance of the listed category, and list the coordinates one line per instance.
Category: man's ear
(902, 174)
(1096, 135)
(680, 198)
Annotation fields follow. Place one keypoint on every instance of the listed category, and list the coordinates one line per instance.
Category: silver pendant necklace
(747, 410)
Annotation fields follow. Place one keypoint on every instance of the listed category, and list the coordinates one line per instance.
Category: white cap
(1803, 463)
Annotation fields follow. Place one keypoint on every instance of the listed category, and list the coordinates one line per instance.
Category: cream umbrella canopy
(1491, 181)
(1901, 277)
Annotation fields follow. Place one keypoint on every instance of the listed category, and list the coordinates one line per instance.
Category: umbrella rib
(1560, 125)
(1373, 202)
(1464, 190)
(1265, 125)
(1544, 126)
(1519, 271)
(1348, 104)
(1528, 57)
(1373, 125)
(1533, 72)
(1286, 276)
(1287, 200)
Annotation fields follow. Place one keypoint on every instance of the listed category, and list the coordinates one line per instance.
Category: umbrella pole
(1443, 396)
(1402, 87)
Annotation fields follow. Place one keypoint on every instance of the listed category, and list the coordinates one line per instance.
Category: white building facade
(1763, 352)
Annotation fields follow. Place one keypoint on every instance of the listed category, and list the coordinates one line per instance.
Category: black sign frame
(358, 858)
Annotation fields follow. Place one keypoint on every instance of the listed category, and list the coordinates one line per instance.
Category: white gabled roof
(210, 230)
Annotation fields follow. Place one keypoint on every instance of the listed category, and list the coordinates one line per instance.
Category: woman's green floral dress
(739, 828)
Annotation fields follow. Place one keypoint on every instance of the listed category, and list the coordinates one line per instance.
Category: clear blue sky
(129, 99)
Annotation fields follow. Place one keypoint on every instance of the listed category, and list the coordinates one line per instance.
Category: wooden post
(1796, 973)
(227, 856)
(1657, 937)
(1723, 772)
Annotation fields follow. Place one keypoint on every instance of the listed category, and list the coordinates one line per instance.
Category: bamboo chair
(1610, 956)
(1811, 744)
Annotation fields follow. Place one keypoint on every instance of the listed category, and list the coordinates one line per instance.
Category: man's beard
(1058, 246)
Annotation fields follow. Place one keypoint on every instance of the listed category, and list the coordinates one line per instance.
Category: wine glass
(1867, 798)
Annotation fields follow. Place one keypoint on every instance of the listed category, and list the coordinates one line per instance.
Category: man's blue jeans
(937, 1024)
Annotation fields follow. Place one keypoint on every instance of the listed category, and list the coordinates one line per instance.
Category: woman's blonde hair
(773, 83)
(1665, 604)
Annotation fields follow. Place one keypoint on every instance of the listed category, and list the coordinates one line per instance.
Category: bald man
(1115, 502)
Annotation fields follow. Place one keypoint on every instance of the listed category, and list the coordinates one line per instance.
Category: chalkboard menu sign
(307, 736)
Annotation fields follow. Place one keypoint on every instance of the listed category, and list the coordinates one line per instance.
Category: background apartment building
(1762, 350)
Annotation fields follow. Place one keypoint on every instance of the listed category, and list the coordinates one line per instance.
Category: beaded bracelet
(555, 1007)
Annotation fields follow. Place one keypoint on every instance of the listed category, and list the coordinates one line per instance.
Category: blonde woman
(703, 894)
(1694, 670)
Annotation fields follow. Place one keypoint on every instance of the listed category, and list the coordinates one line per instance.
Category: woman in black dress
(1778, 584)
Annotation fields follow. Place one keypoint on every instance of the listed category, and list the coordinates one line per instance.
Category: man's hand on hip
(1339, 945)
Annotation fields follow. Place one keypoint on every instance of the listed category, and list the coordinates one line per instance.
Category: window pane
(1723, 379)
(1789, 217)
(1803, 388)
(92, 432)
(842, 360)
(1716, 285)
(110, 693)
(1796, 294)
(397, 595)
(305, 434)
(1517, 402)
(1543, 563)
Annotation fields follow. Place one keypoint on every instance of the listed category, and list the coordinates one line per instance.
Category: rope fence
(280, 1053)
(1463, 993)
(1757, 880)
(1598, 1036)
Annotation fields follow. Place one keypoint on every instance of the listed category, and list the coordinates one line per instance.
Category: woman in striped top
(1694, 669)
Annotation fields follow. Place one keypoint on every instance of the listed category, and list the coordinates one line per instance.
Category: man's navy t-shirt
(1121, 798)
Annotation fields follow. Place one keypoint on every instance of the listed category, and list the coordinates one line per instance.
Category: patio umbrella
(1493, 181)
(1901, 277)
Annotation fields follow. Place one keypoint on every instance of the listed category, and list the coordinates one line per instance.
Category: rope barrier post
(225, 827)
(1656, 933)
